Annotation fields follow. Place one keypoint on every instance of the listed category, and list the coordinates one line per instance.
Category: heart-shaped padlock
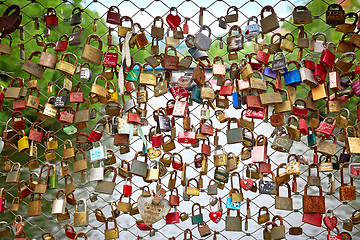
(215, 216)
(246, 184)
(330, 220)
(173, 20)
(153, 153)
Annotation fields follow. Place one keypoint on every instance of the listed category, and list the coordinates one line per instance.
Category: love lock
(330, 219)
(246, 184)
(215, 216)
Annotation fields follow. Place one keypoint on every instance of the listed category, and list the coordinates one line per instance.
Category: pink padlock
(334, 81)
(2, 200)
(325, 129)
(303, 127)
(259, 152)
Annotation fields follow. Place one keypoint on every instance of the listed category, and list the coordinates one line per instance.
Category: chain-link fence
(144, 12)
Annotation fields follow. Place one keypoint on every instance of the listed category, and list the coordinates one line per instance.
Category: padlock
(343, 65)
(283, 203)
(270, 22)
(111, 58)
(280, 63)
(59, 204)
(105, 186)
(51, 20)
(316, 45)
(198, 218)
(234, 135)
(193, 191)
(34, 206)
(278, 231)
(13, 175)
(327, 57)
(335, 15)
(113, 17)
(267, 187)
(235, 42)
(91, 54)
(233, 223)
(81, 218)
(325, 128)
(286, 44)
(301, 15)
(201, 41)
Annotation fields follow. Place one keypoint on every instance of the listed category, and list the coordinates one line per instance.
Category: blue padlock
(195, 95)
(232, 205)
(268, 72)
(236, 100)
(292, 78)
(197, 54)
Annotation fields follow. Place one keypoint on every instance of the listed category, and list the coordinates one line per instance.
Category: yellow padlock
(23, 143)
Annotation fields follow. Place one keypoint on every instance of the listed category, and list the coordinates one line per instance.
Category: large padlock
(81, 218)
(105, 186)
(270, 22)
(234, 135)
(235, 42)
(283, 203)
(313, 204)
(316, 45)
(347, 191)
(91, 54)
(301, 15)
(51, 20)
(59, 204)
(32, 67)
(201, 41)
(47, 59)
(113, 17)
(65, 66)
(335, 15)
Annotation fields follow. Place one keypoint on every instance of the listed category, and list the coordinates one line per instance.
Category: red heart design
(173, 20)
(246, 184)
(330, 222)
(215, 216)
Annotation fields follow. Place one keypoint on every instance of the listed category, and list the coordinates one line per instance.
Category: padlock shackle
(286, 185)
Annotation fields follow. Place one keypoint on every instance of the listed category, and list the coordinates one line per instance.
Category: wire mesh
(141, 12)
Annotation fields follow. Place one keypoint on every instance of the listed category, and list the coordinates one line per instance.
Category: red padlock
(320, 73)
(157, 139)
(69, 231)
(303, 127)
(170, 106)
(301, 112)
(62, 43)
(327, 57)
(257, 113)
(198, 159)
(134, 118)
(113, 15)
(76, 94)
(111, 58)
(256, 66)
(265, 167)
(173, 20)
(178, 92)
(205, 148)
(23, 191)
(315, 157)
(342, 99)
(358, 110)
(334, 81)
(207, 129)
(325, 129)
(51, 20)
(96, 135)
(177, 164)
(129, 86)
(172, 217)
(310, 64)
(142, 226)
(226, 89)
(181, 108)
(186, 137)
(127, 190)
(313, 219)
(357, 68)
(174, 200)
(262, 57)
(36, 133)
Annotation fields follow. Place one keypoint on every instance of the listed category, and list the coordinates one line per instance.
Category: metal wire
(36, 226)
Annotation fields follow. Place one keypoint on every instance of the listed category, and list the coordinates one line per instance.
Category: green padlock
(205, 112)
(53, 178)
(311, 137)
(196, 219)
(69, 130)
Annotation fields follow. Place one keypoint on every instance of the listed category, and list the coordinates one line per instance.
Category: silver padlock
(331, 184)
(85, 72)
(201, 41)
(185, 196)
(59, 204)
(96, 173)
